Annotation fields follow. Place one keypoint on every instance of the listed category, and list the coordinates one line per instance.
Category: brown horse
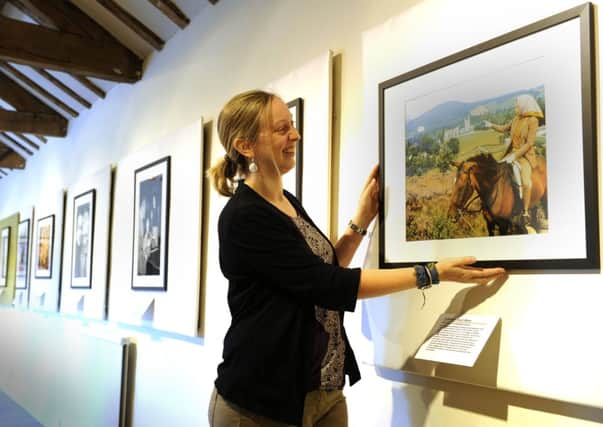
(498, 194)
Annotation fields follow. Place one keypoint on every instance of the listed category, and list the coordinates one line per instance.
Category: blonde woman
(286, 353)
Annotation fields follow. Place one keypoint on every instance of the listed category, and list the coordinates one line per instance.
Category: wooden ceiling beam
(16, 143)
(59, 84)
(89, 85)
(41, 138)
(11, 159)
(63, 15)
(134, 24)
(173, 12)
(36, 123)
(26, 140)
(41, 47)
(20, 98)
(37, 88)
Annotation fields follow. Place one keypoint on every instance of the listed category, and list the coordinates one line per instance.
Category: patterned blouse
(332, 365)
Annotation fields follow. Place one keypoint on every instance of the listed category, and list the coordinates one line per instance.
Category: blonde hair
(240, 118)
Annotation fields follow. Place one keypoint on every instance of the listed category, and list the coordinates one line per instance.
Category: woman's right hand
(460, 270)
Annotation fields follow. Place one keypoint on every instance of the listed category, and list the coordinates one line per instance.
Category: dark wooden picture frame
(517, 251)
(150, 247)
(82, 239)
(296, 107)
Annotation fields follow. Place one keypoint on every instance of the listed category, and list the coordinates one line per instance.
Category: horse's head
(462, 188)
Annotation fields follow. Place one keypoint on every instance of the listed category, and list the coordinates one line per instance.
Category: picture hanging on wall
(474, 149)
(22, 254)
(293, 180)
(4, 249)
(83, 239)
(44, 254)
(151, 223)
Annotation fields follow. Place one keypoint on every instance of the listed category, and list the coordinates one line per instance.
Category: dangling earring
(253, 167)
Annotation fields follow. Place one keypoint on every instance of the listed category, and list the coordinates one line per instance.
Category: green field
(488, 140)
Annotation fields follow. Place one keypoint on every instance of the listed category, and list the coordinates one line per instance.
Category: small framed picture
(83, 240)
(4, 250)
(44, 242)
(22, 254)
(151, 220)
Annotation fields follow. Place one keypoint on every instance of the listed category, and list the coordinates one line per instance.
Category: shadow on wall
(471, 389)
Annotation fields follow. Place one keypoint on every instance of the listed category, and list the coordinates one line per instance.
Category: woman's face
(275, 148)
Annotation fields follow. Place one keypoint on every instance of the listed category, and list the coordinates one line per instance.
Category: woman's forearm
(346, 246)
(375, 283)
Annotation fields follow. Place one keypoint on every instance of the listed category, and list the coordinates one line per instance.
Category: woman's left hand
(368, 206)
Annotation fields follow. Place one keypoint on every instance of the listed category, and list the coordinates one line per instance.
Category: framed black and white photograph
(83, 239)
(23, 233)
(293, 180)
(475, 149)
(4, 252)
(151, 220)
(44, 244)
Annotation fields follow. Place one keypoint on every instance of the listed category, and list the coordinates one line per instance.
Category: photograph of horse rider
(520, 152)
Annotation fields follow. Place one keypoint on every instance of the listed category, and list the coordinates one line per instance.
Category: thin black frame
(50, 246)
(585, 13)
(298, 104)
(4, 268)
(91, 254)
(27, 256)
(165, 232)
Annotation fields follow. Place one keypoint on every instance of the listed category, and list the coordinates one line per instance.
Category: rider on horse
(520, 152)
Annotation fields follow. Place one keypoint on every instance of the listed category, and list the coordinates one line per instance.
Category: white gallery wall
(548, 341)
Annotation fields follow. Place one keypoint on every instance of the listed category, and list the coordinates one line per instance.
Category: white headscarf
(528, 106)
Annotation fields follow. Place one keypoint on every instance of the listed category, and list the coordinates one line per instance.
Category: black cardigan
(274, 283)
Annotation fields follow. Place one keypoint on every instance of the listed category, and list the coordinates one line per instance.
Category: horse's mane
(489, 167)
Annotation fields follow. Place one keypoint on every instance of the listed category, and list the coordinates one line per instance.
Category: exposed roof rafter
(36, 123)
(37, 88)
(14, 141)
(134, 24)
(169, 9)
(38, 46)
(10, 159)
(63, 87)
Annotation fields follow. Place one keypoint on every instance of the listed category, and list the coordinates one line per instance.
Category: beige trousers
(321, 409)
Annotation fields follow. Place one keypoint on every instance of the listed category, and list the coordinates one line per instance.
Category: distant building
(451, 133)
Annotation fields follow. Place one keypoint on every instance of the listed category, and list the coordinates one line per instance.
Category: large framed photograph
(44, 243)
(482, 152)
(151, 220)
(4, 250)
(292, 181)
(23, 232)
(83, 239)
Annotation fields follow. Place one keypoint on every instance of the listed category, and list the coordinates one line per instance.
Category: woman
(286, 353)
(520, 153)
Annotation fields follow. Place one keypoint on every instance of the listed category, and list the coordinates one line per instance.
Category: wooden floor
(12, 415)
